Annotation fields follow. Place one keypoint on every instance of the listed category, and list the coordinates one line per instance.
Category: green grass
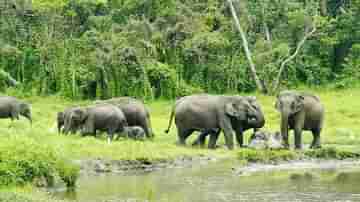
(23, 143)
(342, 129)
(25, 194)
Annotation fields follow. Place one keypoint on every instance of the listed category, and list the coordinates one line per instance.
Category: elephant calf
(135, 132)
(300, 111)
(11, 107)
(136, 113)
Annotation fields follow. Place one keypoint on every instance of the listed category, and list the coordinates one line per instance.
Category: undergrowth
(22, 160)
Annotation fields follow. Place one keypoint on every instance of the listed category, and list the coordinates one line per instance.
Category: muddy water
(216, 182)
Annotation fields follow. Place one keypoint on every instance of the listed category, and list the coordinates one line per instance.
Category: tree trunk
(260, 85)
(323, 7)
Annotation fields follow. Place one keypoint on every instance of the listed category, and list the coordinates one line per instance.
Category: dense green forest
(167, 48)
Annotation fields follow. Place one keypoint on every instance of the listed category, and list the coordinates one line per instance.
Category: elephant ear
(230, 109)
(277, 105)
(251, 99)
(299, 104)
(234, 111)
(83, 115)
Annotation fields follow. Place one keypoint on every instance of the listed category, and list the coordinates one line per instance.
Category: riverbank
(341, 131)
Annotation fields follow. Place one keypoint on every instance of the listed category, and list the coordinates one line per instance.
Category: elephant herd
(205, 113)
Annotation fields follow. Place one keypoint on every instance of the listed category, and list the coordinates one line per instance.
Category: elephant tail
(171, 119)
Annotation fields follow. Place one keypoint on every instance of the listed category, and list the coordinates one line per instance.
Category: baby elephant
(135, 132)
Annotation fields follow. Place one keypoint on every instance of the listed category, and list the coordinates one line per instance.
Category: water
(216, 182)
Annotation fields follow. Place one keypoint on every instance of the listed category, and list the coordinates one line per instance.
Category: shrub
(22, 160)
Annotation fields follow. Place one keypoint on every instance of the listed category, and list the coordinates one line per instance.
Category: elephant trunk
(257, 121)
(285, 129)
(59, 125)
(28, 116)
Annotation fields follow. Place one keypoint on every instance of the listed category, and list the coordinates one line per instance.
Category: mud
(98, 166)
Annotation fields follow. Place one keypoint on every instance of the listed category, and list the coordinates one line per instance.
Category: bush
(22, 160)
(162, 80)
(185, 89)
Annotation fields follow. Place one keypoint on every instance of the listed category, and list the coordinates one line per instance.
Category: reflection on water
(217, 183)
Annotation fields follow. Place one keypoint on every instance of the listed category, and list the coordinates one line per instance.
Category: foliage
(89, 49)
(22, 160)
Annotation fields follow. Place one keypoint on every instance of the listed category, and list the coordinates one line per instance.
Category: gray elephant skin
(207, 113)
(61, 116)
(300, 111)
(11, 107)
(135, 132)
(255, 124)
(135, 112)
(104, 117)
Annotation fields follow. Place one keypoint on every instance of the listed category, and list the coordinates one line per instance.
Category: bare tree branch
(260, 85)
(291, 57)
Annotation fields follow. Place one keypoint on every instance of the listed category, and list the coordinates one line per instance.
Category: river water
(217, 182)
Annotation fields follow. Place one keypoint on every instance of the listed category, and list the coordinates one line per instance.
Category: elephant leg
(240, 139)
(228, 133)
(213, 139)
(110, 133)
(298, 138)
(183, 134)
(316, 140)
(200, 141)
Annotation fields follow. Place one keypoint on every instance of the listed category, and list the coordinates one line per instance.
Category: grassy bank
(48, 152)
(342, 129)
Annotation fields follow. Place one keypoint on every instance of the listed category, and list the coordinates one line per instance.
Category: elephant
(135, 112)
(135, 132)
(11, 107)
(207, 113)
(104, 117)
(61, 116)
(248, 124)
(300, 111)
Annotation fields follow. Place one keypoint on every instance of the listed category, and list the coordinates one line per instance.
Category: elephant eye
(292, 105)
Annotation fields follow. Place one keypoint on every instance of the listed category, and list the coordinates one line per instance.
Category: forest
(87, 49)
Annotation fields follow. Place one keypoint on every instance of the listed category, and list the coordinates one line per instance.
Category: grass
(25, 194)
(342, 131)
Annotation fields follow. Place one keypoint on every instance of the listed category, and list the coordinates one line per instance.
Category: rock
(265, 140)
(274, 141)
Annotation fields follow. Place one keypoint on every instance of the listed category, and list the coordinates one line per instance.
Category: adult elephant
(135, 112)
(206, 112)
(300, 111)
(254, 123)
(11, 107)
(103, 117)
(61, 116)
